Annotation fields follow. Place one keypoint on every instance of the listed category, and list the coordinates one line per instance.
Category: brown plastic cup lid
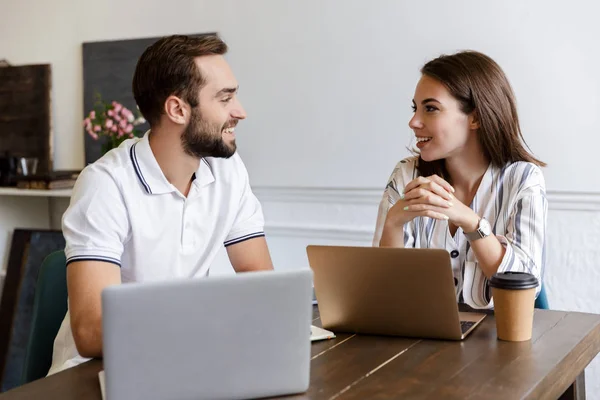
(513, 281)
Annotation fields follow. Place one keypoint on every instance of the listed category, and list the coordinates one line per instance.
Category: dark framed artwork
(28, 250)
(25, 115)
(108, 68)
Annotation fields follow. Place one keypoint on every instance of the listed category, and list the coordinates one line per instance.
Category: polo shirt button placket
(187, 235)
(185, 228)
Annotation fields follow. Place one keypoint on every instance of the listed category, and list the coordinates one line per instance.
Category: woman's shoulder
(405, 169)
(404, 172)
(524, 175)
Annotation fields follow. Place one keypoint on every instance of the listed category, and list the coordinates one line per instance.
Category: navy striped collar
(150, 175)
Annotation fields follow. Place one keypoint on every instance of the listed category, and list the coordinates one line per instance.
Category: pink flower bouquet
(113, 121)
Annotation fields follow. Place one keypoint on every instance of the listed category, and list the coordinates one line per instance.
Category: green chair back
(49, 309)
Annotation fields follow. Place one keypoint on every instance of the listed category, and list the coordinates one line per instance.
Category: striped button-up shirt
(512, 199)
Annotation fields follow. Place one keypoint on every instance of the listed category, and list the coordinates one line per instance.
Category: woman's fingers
(415, 183)
(436, 188)
(434, 184)
(423, 196)
(424, 210)
(440, 181)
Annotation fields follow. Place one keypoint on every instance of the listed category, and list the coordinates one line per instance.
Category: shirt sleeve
(524, 239)
(525, 236)
(95, 225)
(249, 221)
(391, 194)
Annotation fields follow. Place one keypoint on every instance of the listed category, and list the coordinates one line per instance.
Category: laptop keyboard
(466, 325)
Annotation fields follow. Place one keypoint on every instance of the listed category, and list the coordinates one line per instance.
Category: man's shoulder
(119, 157)
(109, 171)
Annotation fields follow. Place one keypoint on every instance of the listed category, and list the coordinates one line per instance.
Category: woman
(473, 189)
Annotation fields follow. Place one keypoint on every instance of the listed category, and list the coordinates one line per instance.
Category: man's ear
(474, 120)
(176, 110)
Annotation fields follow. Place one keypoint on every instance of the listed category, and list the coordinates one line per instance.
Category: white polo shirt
(124, 211)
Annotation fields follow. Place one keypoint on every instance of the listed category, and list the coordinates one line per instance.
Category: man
(161, 206)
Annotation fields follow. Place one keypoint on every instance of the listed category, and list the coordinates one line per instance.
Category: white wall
(328, 84)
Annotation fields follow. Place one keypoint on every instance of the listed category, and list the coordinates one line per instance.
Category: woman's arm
(521, 247)
(394, 226)
(525, 236)
(489, 252)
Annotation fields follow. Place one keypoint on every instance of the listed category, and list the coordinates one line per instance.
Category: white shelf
(11, 191)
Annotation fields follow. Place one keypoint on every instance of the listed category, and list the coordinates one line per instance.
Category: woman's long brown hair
(480, 86)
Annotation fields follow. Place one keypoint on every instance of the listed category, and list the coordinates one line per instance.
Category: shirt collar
(151, 176)
(204, 176)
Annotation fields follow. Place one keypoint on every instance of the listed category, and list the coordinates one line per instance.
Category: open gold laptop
(388, 291)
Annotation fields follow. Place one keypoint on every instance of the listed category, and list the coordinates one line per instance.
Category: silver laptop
(389, 291)
(227, 337)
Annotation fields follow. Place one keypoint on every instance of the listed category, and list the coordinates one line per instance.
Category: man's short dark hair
(167, 68)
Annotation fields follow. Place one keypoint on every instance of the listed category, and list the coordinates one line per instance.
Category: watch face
(484, 227)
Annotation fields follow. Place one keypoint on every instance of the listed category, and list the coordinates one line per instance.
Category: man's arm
(250, 255)
(85, 282)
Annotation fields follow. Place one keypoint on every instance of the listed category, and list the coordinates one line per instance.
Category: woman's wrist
(392, 234)
(471, 222)
(392, 237)
(392, 223)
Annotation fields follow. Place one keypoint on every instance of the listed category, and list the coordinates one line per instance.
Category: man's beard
(201, 139)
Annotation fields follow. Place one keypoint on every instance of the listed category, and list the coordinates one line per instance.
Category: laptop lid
(240, 336)
(387, 291)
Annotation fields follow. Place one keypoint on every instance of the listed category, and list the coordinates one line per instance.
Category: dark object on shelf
(53, 180)
(24, 118)
(8, 169)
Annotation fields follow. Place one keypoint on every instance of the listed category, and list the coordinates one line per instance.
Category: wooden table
(549, 366)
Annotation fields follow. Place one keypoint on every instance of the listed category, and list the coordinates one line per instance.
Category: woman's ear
(176, 110)
(474, 120)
